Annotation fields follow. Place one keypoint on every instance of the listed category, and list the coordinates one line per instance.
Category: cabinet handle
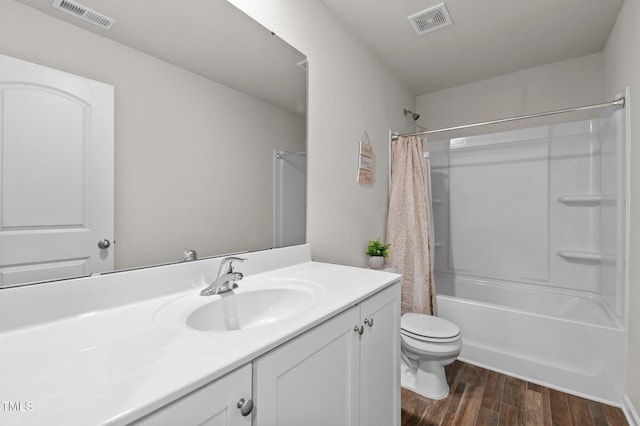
(359, 329)
(369, 321)
(245, 406)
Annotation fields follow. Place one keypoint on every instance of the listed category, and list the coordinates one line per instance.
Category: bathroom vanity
(298, 342)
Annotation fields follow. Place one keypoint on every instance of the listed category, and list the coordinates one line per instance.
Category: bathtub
(563, 340)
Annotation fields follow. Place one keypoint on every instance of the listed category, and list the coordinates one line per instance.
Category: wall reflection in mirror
(209, 136)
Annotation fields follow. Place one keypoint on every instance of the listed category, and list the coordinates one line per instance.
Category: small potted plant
(377, 252)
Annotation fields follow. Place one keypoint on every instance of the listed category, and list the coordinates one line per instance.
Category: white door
(56, 173)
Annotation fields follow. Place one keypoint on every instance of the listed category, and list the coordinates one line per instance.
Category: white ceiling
(487, 38)
(210, 37)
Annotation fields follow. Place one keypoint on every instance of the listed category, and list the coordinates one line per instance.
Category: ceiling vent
(84, 13)
(430, 19)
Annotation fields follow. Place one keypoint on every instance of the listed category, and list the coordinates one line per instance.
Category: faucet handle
(226, 264)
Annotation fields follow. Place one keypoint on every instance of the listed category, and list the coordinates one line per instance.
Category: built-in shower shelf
(580, 255)
(580, 199)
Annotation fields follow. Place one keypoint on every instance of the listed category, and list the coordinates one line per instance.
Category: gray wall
(622, 68)
(555, 86)
(350, 91)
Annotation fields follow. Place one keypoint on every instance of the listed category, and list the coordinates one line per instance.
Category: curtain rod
(619, 103)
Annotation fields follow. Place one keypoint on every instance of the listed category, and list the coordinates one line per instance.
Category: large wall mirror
(209, 125)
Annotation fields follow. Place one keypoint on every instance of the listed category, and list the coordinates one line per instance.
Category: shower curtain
(410, 226)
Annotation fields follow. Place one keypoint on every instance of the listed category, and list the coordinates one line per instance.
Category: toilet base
(429, 380)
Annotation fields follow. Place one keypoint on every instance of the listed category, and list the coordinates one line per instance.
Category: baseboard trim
(630, 412)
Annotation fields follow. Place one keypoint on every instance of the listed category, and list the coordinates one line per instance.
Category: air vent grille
(430, 19)
(84, 13)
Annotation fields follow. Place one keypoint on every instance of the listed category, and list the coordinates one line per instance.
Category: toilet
(429, 343)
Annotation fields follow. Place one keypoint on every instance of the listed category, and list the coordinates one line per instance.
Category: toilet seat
(428, 328)
(420, 348)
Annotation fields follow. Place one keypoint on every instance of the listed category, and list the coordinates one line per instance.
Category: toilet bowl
(429, 343)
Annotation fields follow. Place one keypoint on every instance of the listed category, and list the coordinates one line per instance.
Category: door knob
(245, 406)
(104, 244)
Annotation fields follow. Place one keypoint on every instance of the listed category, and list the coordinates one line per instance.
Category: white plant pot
(376, 262)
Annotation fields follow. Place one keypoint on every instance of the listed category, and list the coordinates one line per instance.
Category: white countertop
(114, 365)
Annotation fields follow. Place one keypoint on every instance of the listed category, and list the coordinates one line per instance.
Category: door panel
(43, 156)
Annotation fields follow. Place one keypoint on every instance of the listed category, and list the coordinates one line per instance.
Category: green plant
(377, 248)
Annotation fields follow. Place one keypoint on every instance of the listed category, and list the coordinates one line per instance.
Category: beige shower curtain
(409, 225)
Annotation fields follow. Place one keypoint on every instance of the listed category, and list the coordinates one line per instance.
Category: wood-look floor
(479, 396)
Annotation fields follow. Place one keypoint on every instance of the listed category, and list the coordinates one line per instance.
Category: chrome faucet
(226, 279)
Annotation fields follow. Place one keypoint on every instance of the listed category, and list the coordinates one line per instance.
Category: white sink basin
(253, 304)
(250, 309)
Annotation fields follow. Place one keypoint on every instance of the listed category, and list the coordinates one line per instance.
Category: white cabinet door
(380, 359)
(312, 380)
(345, 371)
(215, 404)
(56, 173)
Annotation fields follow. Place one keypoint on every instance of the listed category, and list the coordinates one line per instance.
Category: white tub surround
(556, 340)
(531, 251)
(91, 351)
(543, 206)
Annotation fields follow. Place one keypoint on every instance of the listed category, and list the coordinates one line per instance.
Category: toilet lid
(428, 326)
